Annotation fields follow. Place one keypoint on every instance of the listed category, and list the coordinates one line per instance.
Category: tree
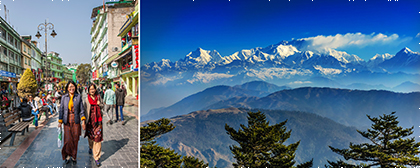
(83, 73)
(153, 155)
(192, 162)
(387, 148)
(261, 145)
(27, 84)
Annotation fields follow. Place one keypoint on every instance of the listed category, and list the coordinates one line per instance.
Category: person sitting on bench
(34, 109)
(44, 104)
(25, 108)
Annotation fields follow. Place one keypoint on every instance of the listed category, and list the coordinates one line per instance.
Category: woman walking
(72, 114)
(94, 123)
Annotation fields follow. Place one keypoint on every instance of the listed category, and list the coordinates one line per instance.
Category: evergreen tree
(261, 145)
(388, 148)
(155, 156)
(27, 84)
(192, 162)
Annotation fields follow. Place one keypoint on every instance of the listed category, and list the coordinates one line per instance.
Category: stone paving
(119, 148)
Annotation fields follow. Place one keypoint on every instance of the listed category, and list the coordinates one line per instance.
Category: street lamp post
(46, 26)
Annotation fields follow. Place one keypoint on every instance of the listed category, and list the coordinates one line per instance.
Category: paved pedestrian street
(119, 147)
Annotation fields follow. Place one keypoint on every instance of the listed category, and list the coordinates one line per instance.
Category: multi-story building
(105, 44)
(56, 66)
(10, 57)
(36, 61)
(128, 58)
(26, 52)
(73, 69)
(67, 74)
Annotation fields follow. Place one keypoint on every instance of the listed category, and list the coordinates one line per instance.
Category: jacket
(79, 110)
(87, 106)
(109, 97)
(25, 108)
(120, 97)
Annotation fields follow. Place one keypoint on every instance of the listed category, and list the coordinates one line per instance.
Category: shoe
(97, 163)
(74, 161)
(111, 122)
(36, 127)
(67, 161)
(116, 121)
(90, 151)
(122, 122)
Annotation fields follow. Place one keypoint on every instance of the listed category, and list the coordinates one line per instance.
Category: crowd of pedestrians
(76, 113)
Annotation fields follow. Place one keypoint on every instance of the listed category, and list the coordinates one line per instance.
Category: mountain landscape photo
(317, 65)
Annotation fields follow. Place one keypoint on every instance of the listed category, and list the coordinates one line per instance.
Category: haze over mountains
(289, 63)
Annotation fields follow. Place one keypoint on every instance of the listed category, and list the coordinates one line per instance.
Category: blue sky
(171, 29)
(71, 19)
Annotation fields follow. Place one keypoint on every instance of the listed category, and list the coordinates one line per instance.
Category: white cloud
(282, 73)
(162, 80)
(299, 82)
(352, 39)
(327, 71)
(418, 35)
(207, 77)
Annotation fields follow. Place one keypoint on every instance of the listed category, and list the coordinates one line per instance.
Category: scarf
(71, 102)
(97, 117)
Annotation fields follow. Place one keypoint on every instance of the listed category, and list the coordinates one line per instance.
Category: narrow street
(119, 148)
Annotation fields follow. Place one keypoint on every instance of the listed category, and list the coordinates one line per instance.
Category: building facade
(10, 51)
(36, 61)
(73, 69)
(128, 58)
(26, 51)
(57, 69)
(105, 43)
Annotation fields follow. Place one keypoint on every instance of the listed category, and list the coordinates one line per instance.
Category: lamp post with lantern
(46, 26)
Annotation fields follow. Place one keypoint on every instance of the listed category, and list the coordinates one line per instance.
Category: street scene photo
(280, 83)
(69, 88)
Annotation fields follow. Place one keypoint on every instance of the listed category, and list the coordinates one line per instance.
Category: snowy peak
(381, 57)
(201, 56)
(405, 50)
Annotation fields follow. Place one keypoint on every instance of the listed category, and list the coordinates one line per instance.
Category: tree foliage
(261, 145)
(154, 156)
(155, 129)
(192, 162)
(387, 147)
(27, 84)
(83, 73)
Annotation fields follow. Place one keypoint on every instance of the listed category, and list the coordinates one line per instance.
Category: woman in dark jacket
(93, 103)
(72, 114)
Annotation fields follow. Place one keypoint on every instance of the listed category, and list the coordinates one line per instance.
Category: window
(2, 33)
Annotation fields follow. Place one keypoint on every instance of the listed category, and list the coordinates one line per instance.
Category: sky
(71, 19)
(170, 29)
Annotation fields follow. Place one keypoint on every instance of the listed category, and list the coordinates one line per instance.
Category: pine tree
(27, 84)
(155, 156)
(192, 162)
(261, 145)
(387, 148)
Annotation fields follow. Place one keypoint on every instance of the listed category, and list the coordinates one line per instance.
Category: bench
(10, 118)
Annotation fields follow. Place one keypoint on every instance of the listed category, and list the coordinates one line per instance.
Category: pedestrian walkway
(119, 148)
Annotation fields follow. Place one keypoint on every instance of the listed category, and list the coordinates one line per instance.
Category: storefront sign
(7, 74)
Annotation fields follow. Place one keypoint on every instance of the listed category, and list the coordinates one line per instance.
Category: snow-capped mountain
(378, 58)
(404, 60)
(282, 60)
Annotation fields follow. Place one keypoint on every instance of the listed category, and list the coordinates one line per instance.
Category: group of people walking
(76, 113)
